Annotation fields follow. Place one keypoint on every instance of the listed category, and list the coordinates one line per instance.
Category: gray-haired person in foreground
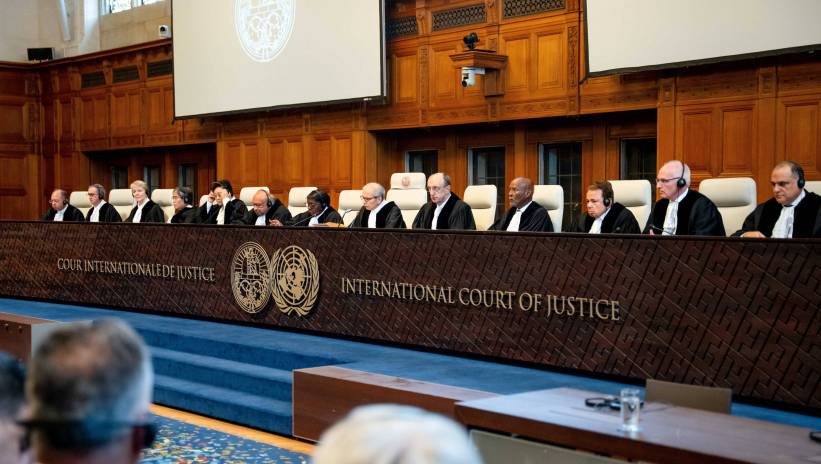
(89, 388)
(393, 434)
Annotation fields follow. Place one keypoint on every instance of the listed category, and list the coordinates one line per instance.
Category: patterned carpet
(182, 443)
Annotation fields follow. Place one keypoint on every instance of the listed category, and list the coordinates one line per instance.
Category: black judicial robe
(455, 215)
(619, 220)
(534, 219)
(277, 211)
(389, 217)
(187, 215)
(303, 219)
(151, 213)
(206, 216)
(234, 212)
(108, 213)
(72, 214)
(806, 219)
(697, 215)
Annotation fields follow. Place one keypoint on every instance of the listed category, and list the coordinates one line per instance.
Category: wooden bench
(20, 335)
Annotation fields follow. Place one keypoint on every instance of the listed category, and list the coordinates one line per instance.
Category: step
(224, 373)
(235, 351)
(242, 408)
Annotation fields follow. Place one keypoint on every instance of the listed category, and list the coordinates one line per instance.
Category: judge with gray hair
(387, 433)
(376, 213)
(89, 388)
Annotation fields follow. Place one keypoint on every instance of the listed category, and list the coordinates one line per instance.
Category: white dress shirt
(596, 227)
(671, 218)
(58, 216)
(516, 220)
(783, 227)
(139, 214)
(315, 219)
(221, 213)
(95, 214)
(261, 220)
(372, 215)
(437, 211)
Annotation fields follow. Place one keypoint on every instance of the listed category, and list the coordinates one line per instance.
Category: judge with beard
(319, 212)
(265, 210)
(604, 215)
(182, 199)
(792, 212)
(444, 210)
(60, 210)
(231, 210)
(682, 211)
(101, 210)
(524, 215)
(376, 213)
(145, 210)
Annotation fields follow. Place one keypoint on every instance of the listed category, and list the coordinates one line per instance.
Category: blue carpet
(252, 384)
(182, 443)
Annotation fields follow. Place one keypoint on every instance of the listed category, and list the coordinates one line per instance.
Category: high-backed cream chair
(79, 200)
(635, 195)
(713, 399)
(551, 197)
(162, 197)
(482, 201)
(122, 201)
(298, 199)
(733, 196)
(349, 200)
(813, 186)
(408, 190)
(246, 195)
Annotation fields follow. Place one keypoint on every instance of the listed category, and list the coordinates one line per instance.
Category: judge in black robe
(269, 208)
(533, 216)
(151, 212)
(387, 214)
(182, 199)
(319, 207)
(207, 212)
(108, 213)
(229, 208)
(455, 214)
(615, 218)
(788, 192)
(187, 215)
(697, 214)
(59, 202)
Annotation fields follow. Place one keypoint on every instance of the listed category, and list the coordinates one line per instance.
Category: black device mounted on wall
(40, 54)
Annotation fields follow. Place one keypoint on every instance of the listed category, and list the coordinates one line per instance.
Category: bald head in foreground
(524, 213)
(386, 433)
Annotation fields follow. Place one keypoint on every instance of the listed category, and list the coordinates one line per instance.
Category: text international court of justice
(410, 231)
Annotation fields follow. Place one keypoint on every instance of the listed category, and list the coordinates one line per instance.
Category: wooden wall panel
(443, 76)
(320, 160)
(126, 115)
(799, 133)
(550, 61)
(405, 77)
(517, 49)
(342, 152)
(738, 155)
(694, 141)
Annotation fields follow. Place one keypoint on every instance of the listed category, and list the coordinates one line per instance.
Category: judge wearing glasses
(682, 211)
(444, 210)
(376, 213)
(101, 211)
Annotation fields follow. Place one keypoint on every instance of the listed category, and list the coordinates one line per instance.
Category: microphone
(346, 211)
(306, 219)
(656, 229)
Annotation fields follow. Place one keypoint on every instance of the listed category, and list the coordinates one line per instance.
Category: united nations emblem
(250, 271)
(263, 26)
(294, 280)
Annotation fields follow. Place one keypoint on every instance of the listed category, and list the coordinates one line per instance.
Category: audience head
(58, 199)
(13, 443)
(599, 198)
(669, 180)
(439, 187)
(262, 202)
(90, 389)
(317, 201)
(96, 193)
(520, 192)
(182, 197)
(373, 195)
(787, 180)
(140, 191)
(383, 433)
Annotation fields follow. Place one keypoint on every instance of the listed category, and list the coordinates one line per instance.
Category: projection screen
(633, 35)
(244, 55)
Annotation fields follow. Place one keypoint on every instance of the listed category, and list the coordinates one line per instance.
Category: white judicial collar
(437, 211)
(315, 219)
(783, 227)
(372, 216)
(671, 217)
(58, 216)
(95, 215)
(516, 220)
(596, 227)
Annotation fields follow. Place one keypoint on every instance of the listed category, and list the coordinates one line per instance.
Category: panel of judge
(144, 209)
(604, 214)
(182, 198)
(524, 213)
(101, 210)
(319, 212)
(793, 212)
(265, 210)
(376, 213)
(682, 211)
(445, 210)
(60, 210)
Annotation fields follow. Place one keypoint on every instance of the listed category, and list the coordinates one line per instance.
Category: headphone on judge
(681, 182)
(268, 200)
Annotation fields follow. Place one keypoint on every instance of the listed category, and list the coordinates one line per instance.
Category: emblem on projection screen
(264, 26)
